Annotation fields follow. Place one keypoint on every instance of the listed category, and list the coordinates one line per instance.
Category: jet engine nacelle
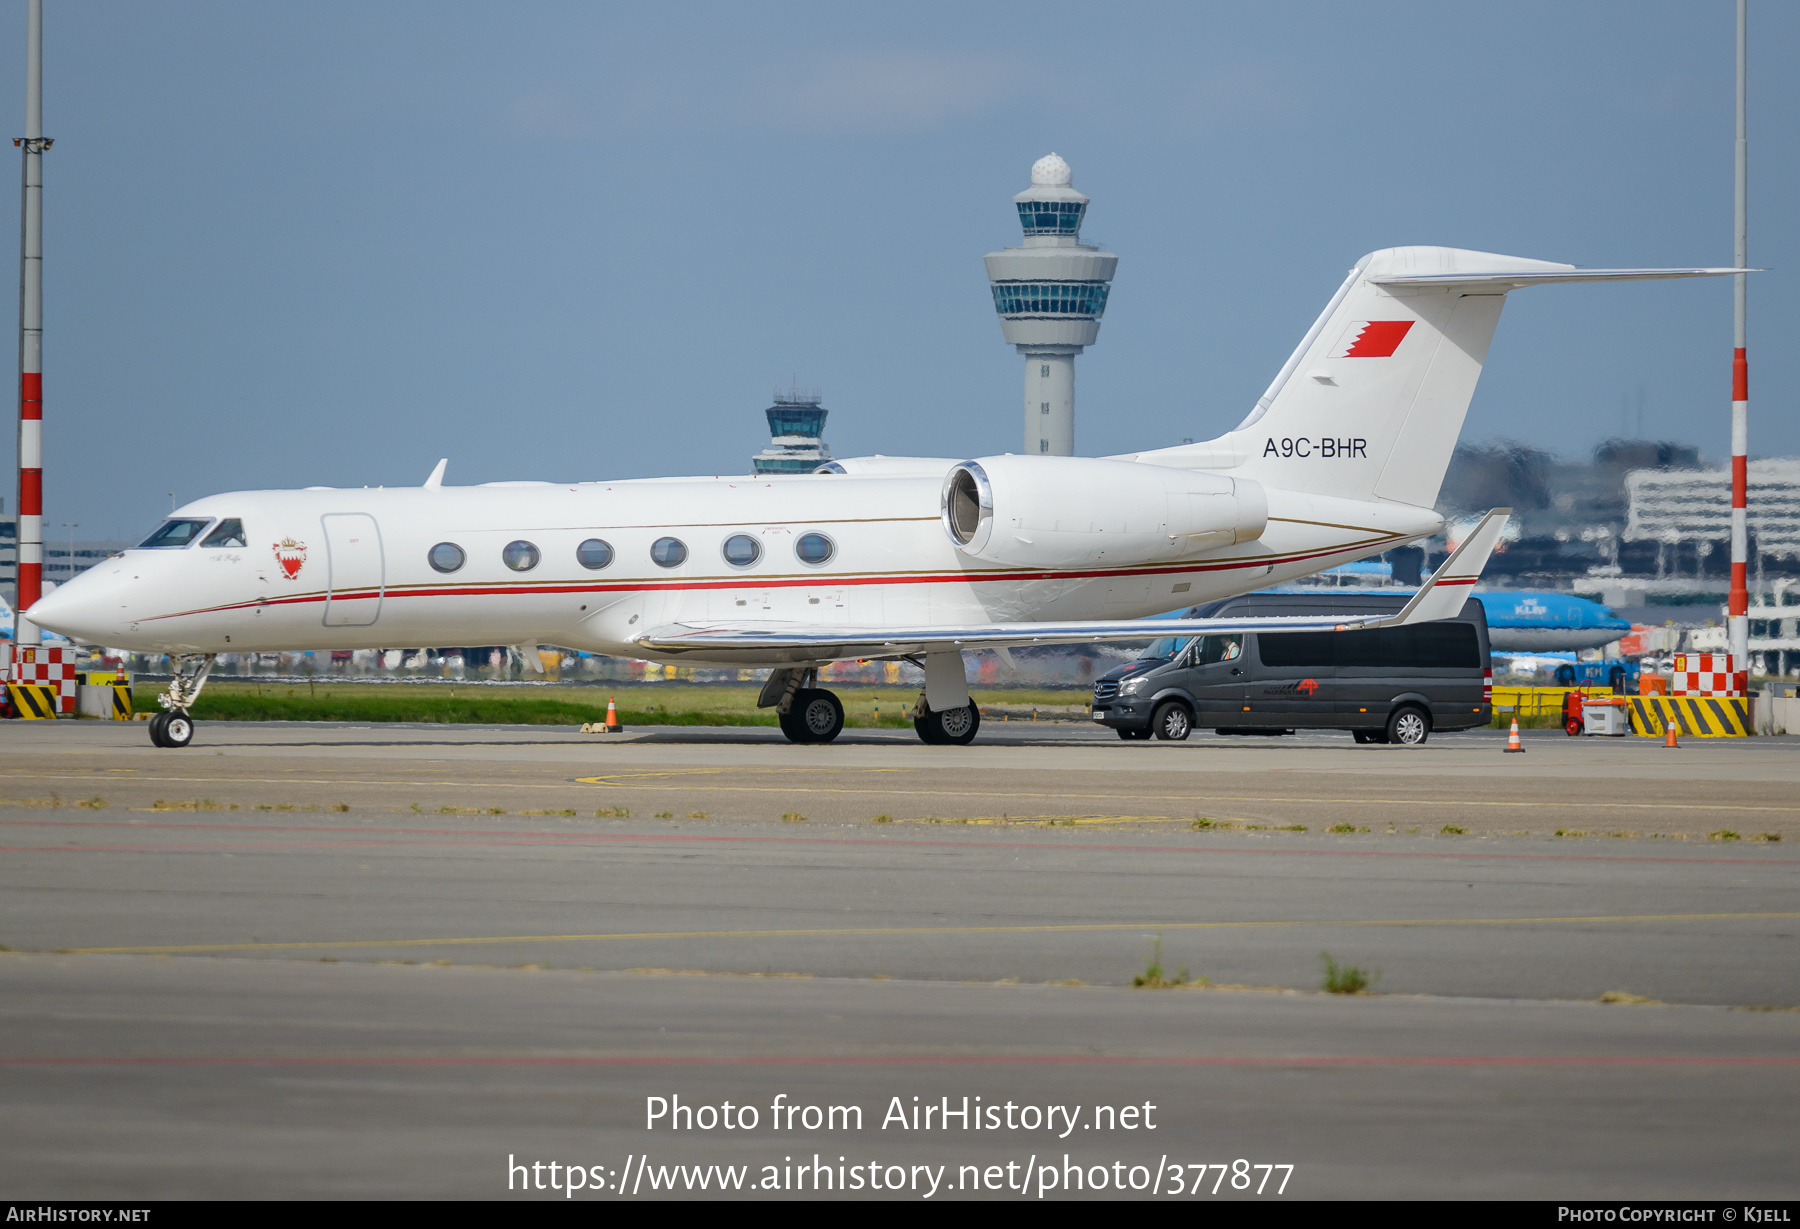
(1024, 511)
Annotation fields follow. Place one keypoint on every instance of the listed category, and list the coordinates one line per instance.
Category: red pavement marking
(910, 1060)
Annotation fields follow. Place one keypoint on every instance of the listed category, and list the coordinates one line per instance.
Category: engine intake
(1066, 511)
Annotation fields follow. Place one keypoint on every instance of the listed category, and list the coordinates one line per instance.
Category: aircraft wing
(1440, 597)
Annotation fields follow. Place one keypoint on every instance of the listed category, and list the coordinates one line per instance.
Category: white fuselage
(343, 569)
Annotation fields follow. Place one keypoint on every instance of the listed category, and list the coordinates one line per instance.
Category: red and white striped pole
(31, 333)
(1738, 607)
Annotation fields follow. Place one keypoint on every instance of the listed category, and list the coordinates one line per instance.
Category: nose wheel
(171, 729)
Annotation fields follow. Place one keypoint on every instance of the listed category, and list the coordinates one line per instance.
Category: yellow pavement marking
(620, 781)
(924, 930)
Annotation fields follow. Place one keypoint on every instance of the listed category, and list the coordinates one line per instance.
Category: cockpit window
(229, 533)
(175, 534)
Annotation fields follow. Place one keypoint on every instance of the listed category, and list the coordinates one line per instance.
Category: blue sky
(330, 243)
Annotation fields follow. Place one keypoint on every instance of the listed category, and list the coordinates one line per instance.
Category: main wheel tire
(1172, 722)
(1409, 726)
(952, 727)
(1131, 735)
(157, 723)
(818, 714)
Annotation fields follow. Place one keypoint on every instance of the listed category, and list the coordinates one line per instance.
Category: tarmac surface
(303, 960)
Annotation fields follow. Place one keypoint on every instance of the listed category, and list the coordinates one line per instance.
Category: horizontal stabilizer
(1544, 277)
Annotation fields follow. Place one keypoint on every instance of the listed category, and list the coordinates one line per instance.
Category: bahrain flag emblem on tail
(1371, 338)
(291, 555)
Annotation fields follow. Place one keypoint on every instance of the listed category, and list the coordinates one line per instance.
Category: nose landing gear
(171, 730)
(173, 727)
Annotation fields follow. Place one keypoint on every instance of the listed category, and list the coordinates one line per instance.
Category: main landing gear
(174, 728)
(953, 727)
(806, 713)
(813, 716)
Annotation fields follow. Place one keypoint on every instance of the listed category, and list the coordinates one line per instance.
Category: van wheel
(1172, 722)
(1409, 727)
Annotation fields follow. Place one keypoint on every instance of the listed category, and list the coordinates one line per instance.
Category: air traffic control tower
(1050, 294)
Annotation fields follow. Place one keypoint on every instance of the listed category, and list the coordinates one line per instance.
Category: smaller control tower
(1050, 294)
(796, 431)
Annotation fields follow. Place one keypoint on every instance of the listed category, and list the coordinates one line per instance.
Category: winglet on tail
(1442, 596)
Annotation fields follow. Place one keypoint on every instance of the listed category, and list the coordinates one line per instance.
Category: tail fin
(1371, 402)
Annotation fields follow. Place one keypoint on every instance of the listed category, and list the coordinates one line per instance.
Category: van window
(1302, 650)
(1219, 648)
(1423, 646)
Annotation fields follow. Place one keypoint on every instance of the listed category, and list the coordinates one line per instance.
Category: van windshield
(175, 533)
(1167, 646)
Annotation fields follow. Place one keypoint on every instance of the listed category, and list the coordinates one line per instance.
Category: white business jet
(875, 558)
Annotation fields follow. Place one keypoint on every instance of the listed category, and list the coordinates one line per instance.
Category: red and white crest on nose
(1371, 338)
(291, 556)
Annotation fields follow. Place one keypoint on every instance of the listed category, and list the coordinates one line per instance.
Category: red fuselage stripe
(750, 582)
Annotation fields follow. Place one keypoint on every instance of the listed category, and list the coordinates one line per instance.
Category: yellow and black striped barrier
(121, 701)
(1695, 716)
(33, 701)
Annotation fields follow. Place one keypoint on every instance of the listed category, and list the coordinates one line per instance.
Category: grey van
(1389, 685)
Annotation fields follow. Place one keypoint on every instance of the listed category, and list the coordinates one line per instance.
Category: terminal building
(1050, 293)
(796, 434)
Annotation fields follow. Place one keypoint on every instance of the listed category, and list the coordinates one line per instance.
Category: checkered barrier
(32, 701)
(1694, 716)
(1707, 674)
(52, 668)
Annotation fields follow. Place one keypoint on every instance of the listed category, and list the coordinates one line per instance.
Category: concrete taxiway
(305, 959)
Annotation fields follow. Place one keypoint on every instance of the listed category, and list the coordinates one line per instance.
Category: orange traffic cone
(1669, 739)
(612, 717)
(1512, 740)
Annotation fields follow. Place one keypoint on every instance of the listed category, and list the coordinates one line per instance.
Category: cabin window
(445, 557)
(741, 550)
(520, 556)
(229, 533)
(594, 554)
(175, 534)
(814, 548)
(668, 552)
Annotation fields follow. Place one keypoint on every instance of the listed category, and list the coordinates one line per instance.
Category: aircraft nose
(85, 608)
